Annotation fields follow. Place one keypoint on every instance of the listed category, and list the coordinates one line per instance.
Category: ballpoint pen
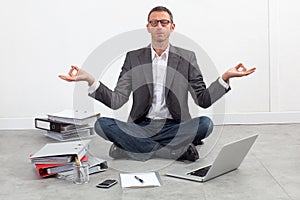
(139, 179)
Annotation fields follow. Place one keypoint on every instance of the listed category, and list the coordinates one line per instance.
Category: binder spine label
(42, 124)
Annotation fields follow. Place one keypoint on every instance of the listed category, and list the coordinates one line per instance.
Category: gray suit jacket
(183, 76)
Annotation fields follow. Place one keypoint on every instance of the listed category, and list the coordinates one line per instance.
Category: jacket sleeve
(202, 95)
(120, 95)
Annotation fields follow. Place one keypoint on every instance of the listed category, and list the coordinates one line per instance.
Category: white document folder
(75, 148)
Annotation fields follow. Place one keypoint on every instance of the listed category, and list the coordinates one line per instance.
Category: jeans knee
(101, 125)
(207, 124)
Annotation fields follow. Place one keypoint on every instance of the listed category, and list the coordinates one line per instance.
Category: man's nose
(159, 25)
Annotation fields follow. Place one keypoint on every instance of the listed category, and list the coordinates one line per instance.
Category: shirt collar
(164, 55)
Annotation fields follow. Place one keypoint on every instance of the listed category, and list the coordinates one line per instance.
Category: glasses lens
(164, 22)
(154, 22)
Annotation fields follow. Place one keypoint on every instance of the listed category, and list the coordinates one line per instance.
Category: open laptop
(229, 158)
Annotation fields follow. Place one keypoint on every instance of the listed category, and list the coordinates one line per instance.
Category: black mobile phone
(107, 183)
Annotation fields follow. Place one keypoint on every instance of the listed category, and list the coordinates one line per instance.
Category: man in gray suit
(159, 77)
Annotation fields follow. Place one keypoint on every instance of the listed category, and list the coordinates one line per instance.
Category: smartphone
(107, 183)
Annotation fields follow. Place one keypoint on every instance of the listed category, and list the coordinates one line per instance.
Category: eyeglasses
(163, 22)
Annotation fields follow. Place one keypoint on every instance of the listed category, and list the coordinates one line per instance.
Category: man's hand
(237, 71)
(77, 74)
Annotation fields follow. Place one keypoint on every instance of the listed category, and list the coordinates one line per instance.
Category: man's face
(160, 30)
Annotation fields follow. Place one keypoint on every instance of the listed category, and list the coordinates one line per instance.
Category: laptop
(229, 158)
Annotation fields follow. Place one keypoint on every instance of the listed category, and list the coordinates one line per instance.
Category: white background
(41, 39)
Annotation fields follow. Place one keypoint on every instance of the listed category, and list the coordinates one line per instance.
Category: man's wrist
(225, 77)
(90, 81)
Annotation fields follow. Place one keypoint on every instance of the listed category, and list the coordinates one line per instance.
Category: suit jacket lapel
(173, 62)
(146, 65)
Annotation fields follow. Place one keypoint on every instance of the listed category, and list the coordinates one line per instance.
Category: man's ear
(148, 28)
(172, 27)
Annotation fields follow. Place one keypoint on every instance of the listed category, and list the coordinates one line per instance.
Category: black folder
(50, 125)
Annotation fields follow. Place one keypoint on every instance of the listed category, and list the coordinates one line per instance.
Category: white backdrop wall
(41, 39)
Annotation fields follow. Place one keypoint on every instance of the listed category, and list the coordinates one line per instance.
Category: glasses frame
(163, 22)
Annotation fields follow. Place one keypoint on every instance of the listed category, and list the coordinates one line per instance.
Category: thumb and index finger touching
(72, 74)
(241, 68)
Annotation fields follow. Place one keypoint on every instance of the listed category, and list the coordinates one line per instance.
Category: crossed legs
(147, 139)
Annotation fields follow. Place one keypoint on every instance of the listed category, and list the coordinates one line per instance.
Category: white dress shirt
(159, 109)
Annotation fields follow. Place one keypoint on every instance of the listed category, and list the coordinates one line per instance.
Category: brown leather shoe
(190, 154)
(117, 153)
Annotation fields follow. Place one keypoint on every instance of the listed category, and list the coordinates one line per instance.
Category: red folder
(42, 168)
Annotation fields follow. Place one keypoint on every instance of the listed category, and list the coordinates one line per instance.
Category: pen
(139, 179)
(76, 161)
(77, 167)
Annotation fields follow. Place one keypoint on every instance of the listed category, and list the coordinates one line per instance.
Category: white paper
(129, 180)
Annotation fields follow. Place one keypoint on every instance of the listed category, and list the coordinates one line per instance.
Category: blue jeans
(154, 138)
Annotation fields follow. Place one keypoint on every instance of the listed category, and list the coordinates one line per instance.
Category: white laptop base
(228, 159)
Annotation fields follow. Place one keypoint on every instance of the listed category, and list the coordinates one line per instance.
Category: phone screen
(107, 183)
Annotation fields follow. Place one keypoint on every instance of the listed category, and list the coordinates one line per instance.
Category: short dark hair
(161, 9)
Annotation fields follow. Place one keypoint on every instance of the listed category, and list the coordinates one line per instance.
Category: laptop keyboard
(200, 172)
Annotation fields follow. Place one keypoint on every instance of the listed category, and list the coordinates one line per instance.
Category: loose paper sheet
(150, 179)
